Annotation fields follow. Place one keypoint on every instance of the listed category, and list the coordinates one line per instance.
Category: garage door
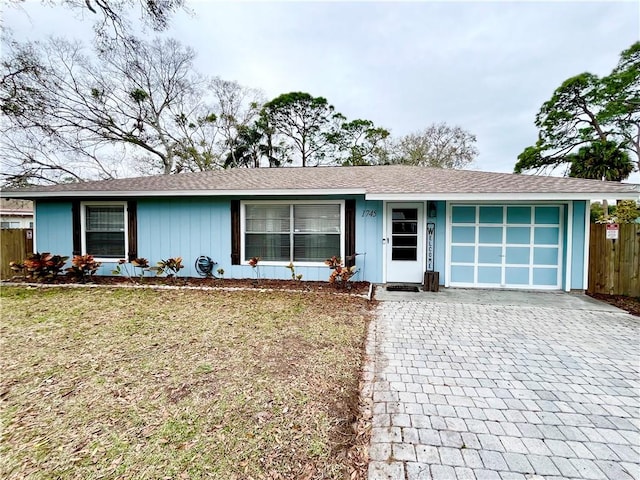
(507, 246)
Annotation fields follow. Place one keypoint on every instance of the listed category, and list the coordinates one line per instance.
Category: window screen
(292, 232)
(104, 231)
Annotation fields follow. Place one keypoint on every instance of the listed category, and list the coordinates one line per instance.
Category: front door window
(404, 234)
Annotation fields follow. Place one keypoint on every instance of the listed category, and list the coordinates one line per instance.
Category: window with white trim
(104, 230)
(293, 232)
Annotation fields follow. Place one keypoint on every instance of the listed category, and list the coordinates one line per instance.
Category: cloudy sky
(485, 66)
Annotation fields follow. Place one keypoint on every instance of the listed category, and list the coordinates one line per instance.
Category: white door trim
(387, 239)
(567, 270)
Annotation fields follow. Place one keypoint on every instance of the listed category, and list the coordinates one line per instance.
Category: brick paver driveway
(516, 386)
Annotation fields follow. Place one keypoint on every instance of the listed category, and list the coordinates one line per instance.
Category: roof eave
(506, 196)
(182, 193)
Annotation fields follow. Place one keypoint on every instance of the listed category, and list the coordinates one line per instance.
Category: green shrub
(170, 267)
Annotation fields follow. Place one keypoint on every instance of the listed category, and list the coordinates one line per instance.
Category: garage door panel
(461, 254)
(519, 235)
(545, 256)
(463, 214)
(506, 246)
(517, 275)
(519, 215)
(546, 235)
(490, 235)
(490, 275)
(490, 255)
(462, 274)
(491, 214)
(518, 255)
(548, 215)
(545, 276)
(463, 235)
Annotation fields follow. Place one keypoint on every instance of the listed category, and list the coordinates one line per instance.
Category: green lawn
(113, 383)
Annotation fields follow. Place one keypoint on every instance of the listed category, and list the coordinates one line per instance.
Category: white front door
(405, 242)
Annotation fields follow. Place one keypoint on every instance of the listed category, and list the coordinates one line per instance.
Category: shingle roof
(370, 180)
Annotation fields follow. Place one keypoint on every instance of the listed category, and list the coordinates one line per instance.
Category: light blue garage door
(507, 246)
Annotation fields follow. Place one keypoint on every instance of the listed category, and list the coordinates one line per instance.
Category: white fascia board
(186, 193)
(492, 197)
(403, 197)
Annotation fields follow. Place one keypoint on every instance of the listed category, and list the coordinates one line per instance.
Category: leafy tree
(438, 145)
(597, 212)
(254, 144)
(600, 161)
(84, 116)
(359, 142)
(585, 110)
(306, 124)
(624, 211)
(627, 211)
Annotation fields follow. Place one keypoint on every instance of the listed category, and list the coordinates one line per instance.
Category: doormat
(402, 288)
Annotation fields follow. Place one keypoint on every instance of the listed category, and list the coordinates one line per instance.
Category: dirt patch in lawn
(630, 304)
(145, 383)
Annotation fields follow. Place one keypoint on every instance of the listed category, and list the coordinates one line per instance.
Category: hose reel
(204, 266)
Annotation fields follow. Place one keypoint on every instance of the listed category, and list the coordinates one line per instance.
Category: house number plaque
(431, 239)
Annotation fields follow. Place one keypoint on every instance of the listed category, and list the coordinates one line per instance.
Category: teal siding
(187, 228)
(369, 228)
(54, 228)
(580, 209)
(441, 239)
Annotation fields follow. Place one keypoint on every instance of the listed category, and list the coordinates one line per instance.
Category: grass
(122, 383)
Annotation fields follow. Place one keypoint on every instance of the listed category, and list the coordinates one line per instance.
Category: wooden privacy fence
(614, 265)
(15, 243)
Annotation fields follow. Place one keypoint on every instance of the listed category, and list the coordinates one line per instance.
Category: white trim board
(514, 197)
(569, 250)
(186, 193)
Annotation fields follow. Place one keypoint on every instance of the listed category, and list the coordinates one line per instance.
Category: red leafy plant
(40, 267)
(82, 267)
(340, 274)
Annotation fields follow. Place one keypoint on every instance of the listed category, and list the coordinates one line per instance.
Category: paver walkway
(500, 389)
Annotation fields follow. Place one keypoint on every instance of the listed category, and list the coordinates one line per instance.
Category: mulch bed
(358, 288)
(630, 304)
